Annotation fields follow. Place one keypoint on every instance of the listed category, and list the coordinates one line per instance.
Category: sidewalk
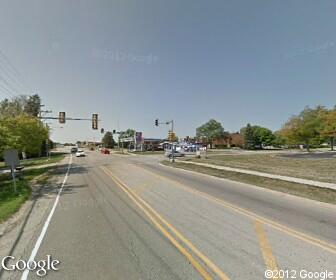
(7, 170)
(268, 175)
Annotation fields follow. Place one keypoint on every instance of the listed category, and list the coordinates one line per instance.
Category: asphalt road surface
(127, 217)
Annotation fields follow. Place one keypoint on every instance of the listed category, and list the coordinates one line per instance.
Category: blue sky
(131, 62)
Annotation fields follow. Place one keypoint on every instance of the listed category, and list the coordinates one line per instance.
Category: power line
(7, 92)
(10, 77)
(8, 85)
(12, 68)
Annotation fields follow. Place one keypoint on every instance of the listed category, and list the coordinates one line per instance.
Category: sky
(132, 61)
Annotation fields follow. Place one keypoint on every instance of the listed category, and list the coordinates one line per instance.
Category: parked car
(169, 153)
(73, 150)
(80, 153)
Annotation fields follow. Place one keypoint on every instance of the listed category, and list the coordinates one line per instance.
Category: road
(127, 217)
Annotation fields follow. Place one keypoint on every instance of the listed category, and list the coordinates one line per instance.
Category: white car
(80, 153)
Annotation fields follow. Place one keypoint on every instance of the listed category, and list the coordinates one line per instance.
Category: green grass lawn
(313, 169)
(11, 202)
(148, 152)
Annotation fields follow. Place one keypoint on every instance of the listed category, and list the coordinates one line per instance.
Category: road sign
(12, 160)
(128, 139)
(138, 137)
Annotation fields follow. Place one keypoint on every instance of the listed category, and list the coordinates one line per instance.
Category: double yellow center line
(171, 233)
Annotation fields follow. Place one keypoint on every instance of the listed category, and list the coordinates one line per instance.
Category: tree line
(20, 127)
(311, 127)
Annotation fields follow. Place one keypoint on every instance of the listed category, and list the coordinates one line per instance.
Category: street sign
(11, 158)
(138, 137)
(128, 139)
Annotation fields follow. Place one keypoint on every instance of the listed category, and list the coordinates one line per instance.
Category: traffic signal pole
(170, 135)
(173, 147)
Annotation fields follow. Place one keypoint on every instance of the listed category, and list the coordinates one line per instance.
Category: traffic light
(61, 117)
(157, 122)
(94, 121)
(102, 130)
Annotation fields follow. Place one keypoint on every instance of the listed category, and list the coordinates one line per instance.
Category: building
(152, 144)
(231, 140)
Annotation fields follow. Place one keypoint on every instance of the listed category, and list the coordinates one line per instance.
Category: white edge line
(46, 223)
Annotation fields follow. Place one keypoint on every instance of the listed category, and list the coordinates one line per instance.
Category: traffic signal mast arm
(62, 119)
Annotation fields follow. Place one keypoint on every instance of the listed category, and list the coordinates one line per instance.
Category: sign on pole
(12, 160)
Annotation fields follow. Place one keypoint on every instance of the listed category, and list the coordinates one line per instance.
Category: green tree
(32, 105)
(262, 136)
(20, 105)
(304, 128)
(329, 125)
(108, 140)
(12, 108)
(210, 131)
(257, 136)
(126, 134)
(249, 140)
(24, 133)
(279, 140)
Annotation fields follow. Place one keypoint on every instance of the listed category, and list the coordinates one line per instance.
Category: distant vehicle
(169, 154)
(80, 153)
(105, 151)
(73, 150)
(92, 149)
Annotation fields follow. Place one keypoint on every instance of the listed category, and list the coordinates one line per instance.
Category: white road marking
(47, 222)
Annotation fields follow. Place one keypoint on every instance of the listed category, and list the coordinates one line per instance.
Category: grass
(313, 169)
(56, 157)
(310, 192)
(148, 152)
(11, 202)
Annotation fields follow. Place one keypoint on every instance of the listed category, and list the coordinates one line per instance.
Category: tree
(108, 140)
(24, 133)
(126, 134)
(20, 105)
(279, 140)
(247, 132)
(304, 128)
(257, 136)
(262, 136)
(210, 131)
(329, 125)
(12, 108)
(33, 105)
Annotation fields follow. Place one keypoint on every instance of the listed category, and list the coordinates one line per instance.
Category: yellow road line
(297, 234)
(265, 247)
(197, 266)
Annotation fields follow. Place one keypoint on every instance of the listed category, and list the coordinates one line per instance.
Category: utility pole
(171, 140)
(173, 147)
(40, 116)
